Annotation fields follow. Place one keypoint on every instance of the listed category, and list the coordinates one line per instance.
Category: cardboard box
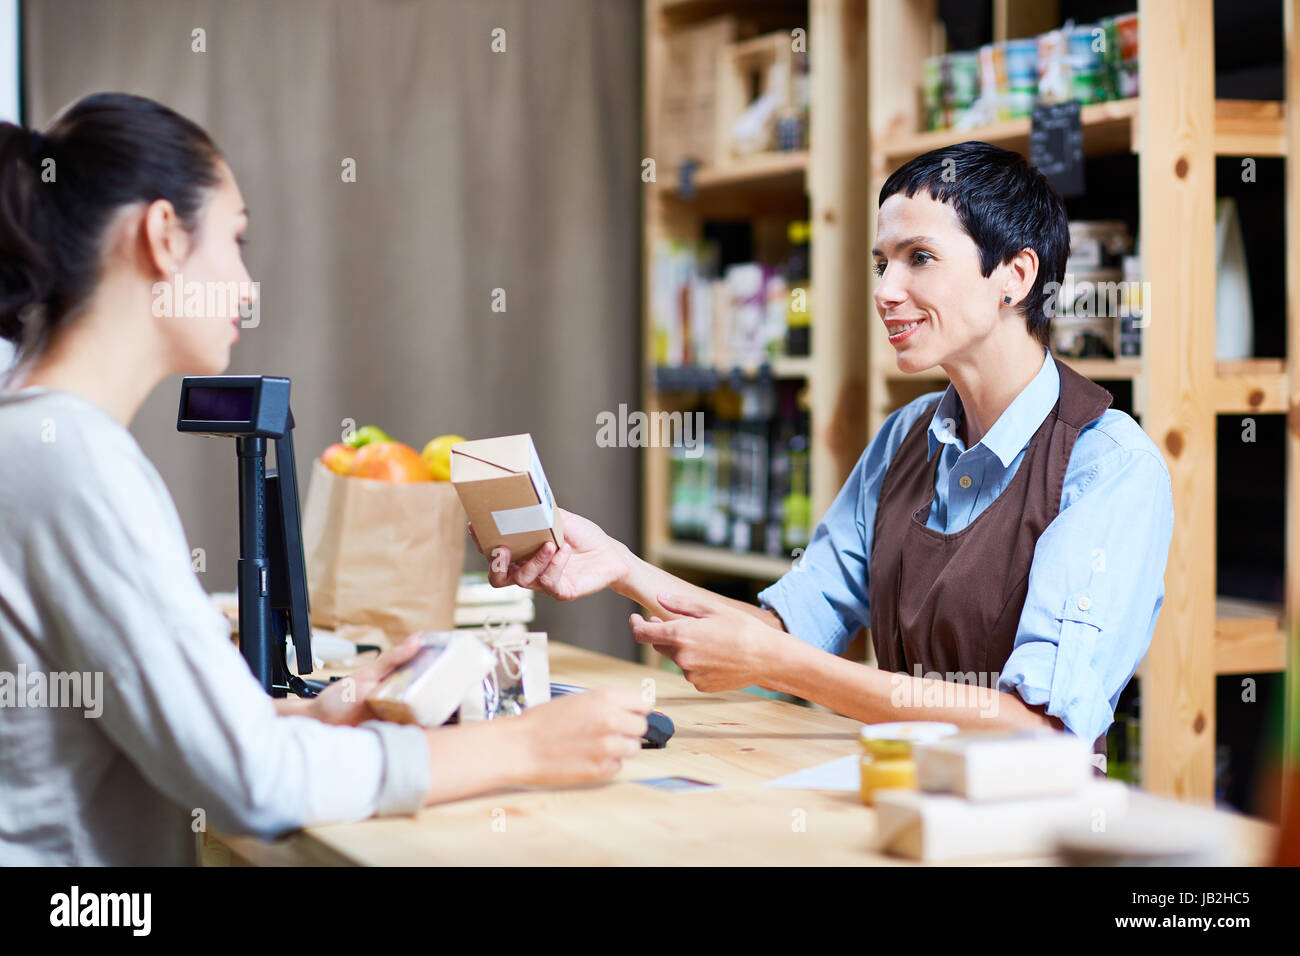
(938, 828)
(1004, 764)
(428, 688)
(505, 493)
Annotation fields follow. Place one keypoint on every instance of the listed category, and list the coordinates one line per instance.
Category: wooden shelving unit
(823, 184)
(1176, 130)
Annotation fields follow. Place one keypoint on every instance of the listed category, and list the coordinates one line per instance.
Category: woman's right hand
(582, 737)
(589, 561)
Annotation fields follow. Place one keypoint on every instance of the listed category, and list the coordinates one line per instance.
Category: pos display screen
(208, 404)
(273, 601)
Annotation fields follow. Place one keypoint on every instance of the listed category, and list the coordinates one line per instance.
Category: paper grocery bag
(382, 554)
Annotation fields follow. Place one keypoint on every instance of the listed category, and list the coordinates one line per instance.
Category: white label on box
(522, 520)
(540, 485)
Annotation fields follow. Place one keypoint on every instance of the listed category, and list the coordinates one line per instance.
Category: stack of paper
(479, 604)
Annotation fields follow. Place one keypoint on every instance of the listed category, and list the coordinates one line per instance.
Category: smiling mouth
(900, 330)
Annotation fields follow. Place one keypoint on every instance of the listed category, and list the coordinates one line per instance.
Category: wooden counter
(734, 739)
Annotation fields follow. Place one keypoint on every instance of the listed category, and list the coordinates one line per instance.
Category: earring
(1006, 299)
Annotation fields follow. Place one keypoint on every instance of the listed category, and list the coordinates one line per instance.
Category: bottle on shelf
(798, 279)
(747, 489)
(796, 509)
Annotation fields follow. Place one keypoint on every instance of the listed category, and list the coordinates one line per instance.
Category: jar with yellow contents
(887, 759)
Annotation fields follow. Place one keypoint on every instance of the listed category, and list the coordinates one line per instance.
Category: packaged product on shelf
(934, 116)
(1097, 244)
(682, 303)
(720, 323)
(1130, 317)
(1054, 83)
(776, 293)
(1126, 77)
(700, 321)
(961, 87)
(1021, 61)
(1110, 57)
(745, 285)
(672, 266)
(1084, 46)
(993, 83)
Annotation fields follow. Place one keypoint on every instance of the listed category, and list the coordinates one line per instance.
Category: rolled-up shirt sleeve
(110, 563)
(1095, 588)
(823, 600)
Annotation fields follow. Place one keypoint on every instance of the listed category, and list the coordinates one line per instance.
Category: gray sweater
(128, 720)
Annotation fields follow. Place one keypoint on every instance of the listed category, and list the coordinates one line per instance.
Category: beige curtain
(476, 171)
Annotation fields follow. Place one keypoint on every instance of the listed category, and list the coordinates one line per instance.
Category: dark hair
(60, 189)
(1004, 205)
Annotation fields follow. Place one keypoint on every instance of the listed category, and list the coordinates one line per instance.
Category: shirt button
(1084, 603)
(964, 481)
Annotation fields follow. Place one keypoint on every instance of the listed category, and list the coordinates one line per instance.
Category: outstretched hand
(717, 647)
(589, 561)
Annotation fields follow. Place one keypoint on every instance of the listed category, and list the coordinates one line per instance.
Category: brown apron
(952, 602)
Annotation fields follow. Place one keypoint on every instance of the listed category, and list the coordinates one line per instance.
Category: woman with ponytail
(128, 720)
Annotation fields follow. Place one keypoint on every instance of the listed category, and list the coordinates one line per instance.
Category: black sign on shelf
(1056, 146)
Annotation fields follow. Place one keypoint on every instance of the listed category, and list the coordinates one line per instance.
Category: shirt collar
(1014, 427)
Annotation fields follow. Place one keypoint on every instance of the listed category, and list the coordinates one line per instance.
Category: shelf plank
(767, 170)
(1241, 128)
(703, 557)
(1248, 637)
(693, 378)
(1249, 128)
(1109, 127)
(1251, 387)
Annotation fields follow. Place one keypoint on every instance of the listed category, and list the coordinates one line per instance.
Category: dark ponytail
(60, 189)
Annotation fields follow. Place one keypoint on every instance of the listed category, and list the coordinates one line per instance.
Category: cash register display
(218, 404)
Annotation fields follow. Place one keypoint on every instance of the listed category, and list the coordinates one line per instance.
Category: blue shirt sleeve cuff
(1065, 681)
(804, 611)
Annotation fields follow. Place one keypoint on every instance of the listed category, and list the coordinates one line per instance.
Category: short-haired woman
(1004, 539)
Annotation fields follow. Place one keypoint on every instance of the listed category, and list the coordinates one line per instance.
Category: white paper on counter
(841, 774)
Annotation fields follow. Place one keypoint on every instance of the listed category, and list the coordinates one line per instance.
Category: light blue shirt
(1097, 579)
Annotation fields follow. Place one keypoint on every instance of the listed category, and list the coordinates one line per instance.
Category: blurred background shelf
(766, 170)
(1248, 637)
(1241, 128)
(1158, 160)
(702, 557)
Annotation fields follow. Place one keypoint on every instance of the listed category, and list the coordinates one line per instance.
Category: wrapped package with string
(519, 679)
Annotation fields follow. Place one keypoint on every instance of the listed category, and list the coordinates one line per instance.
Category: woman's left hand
(344, 701)
(717, 647)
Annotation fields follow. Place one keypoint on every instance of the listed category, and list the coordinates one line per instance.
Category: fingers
(393, 658)
(529, 570)
(624, 700)
(499, 567)
(551, 576)
(686, 604)
(654, 632)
